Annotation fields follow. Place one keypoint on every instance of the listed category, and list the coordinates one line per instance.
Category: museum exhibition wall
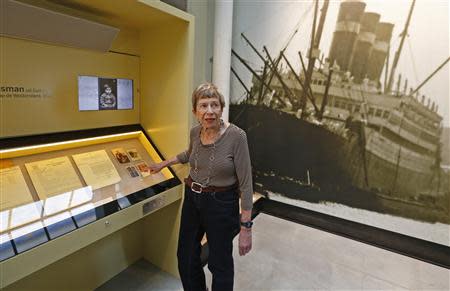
(82, 118)
(333, 130)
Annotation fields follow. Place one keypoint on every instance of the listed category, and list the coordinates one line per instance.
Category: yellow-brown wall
(54, 70)
(165, 88)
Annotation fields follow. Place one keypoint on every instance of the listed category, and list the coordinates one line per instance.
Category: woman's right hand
(156, 168)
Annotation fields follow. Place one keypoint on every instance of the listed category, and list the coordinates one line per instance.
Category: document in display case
(53, 188)
(97, 169)
(12, 181)
(53, 176)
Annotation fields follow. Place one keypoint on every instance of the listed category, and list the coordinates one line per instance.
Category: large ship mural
(337, 132)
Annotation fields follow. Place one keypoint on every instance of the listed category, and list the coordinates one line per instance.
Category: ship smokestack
(346, 32)
(380, 50)
(363, 46)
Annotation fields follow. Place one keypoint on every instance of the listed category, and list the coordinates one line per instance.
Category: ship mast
(300, 82)
(397, 54)
(267, 65)
(256, 75)
(249, 94)
(430, 76)
(315, 42)
(290, 95)
(389, 87)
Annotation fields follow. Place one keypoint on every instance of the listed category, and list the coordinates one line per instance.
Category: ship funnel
(346, 32)
(380, 50)
(363, 46)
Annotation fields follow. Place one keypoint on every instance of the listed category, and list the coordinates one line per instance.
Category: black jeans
(217, 215)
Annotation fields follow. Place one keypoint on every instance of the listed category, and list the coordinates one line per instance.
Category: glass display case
(54, 184)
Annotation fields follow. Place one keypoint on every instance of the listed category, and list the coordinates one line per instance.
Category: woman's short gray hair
(204, 91)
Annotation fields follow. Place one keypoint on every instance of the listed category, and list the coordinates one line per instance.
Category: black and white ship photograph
(346, 108)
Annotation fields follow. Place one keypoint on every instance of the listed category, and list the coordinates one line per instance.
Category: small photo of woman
(143, 169)
(134, 155)
(120, 155)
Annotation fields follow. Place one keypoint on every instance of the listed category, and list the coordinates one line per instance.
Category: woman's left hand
(245, 241)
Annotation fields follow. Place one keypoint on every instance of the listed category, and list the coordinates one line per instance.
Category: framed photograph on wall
(101, 93)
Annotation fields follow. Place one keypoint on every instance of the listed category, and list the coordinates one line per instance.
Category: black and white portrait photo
(107, 99)
(97, 93)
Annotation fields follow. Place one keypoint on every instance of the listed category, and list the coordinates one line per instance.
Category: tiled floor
(289, 256)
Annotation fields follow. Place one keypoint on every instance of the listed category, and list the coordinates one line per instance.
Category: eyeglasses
(203, 107)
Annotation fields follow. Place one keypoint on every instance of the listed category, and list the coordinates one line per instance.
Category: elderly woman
(220, 172)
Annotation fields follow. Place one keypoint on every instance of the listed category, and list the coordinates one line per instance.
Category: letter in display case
(12, 181)
(53, 176)
(97, 169)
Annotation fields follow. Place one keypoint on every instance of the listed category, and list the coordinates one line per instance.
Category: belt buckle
(197, 184)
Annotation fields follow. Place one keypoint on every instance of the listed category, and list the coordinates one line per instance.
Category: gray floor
(142, 276)
(289, 256)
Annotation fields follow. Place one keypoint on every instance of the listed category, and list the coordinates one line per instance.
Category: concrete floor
(290, 256)
(142, 276)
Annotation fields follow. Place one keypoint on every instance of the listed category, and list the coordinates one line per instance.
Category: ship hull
(287, 152)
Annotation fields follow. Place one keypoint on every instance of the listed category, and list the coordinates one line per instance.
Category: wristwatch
(247, 224)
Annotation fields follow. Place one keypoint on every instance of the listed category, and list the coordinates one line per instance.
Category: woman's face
(208, 112)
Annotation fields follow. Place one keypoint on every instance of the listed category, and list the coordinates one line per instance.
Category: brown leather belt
(199, 188)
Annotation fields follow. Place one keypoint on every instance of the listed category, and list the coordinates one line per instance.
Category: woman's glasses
(204, 106)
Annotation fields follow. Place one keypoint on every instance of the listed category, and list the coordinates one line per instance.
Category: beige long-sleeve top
(231, 162)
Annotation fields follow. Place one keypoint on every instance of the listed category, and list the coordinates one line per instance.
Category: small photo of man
(107, 90)
(134, 155)
(132, 171)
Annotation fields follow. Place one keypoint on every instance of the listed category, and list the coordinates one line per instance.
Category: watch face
(247, 224)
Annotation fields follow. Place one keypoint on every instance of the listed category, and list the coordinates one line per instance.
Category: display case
(56, 184)
(81, 213)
